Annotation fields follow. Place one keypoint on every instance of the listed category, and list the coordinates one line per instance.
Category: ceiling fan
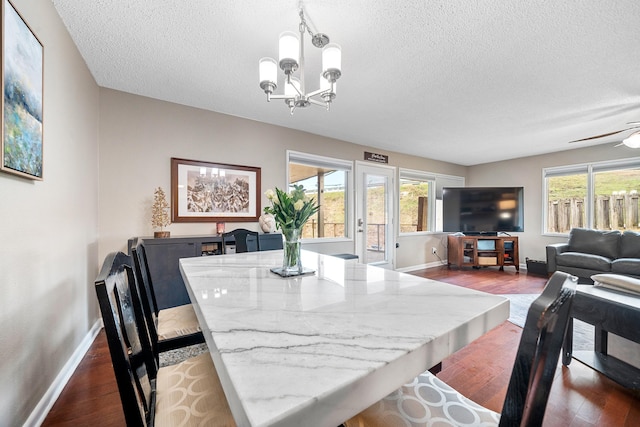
(632, 141)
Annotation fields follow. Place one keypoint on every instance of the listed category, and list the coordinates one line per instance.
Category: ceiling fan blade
(633, 123)
(604, 134)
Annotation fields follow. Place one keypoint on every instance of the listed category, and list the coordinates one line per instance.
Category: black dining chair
(245, 240)
(170, 328)
(187, 393)
(428, 398)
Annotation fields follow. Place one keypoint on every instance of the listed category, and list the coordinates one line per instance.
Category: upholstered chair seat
(190, 394)
(426, 399)
(177, 322)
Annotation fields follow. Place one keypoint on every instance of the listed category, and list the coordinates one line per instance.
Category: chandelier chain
(304, 25)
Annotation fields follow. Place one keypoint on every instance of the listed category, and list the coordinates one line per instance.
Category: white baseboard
(436, 264)
(43, 407)
(421, 266)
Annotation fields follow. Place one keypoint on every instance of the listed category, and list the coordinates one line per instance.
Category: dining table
(316, 349)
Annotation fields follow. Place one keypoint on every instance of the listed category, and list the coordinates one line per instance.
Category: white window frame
(589, 169)
(331, 163)
(436, 183)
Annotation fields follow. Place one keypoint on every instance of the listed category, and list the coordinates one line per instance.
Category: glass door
(375, 235)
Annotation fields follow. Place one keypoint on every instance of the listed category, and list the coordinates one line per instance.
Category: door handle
(360, 223)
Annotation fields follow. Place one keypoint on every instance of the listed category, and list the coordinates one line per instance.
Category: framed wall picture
(22, 83)
(214, 192)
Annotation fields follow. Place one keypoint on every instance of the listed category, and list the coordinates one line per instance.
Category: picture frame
(22, 77)
(214, 192)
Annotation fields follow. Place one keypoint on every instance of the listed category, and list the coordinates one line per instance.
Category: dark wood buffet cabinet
(163, 255)
(480, 251)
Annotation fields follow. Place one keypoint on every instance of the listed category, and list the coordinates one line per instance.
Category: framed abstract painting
(214, 192)
(22, 74)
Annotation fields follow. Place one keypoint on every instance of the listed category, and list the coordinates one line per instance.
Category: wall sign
(378, 158)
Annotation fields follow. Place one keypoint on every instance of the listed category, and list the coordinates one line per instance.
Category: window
(601, 196)
(329, 182)
(420, 200)
(566, 195)
(413, 197)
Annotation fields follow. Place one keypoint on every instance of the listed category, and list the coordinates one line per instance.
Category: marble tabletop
(317, 349)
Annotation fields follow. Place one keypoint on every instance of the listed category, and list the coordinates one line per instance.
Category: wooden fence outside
(614, 212)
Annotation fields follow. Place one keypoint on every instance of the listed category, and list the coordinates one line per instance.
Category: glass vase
(291, 264)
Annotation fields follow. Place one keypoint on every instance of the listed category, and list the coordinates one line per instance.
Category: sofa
(590, 252)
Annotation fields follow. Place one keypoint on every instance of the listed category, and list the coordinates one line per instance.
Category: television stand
(482, 251)
(481, 233)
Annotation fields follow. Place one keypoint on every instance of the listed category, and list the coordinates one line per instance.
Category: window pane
(377, 220)
(413, 205)
(328, 187)
(616, 199)
(566, 196)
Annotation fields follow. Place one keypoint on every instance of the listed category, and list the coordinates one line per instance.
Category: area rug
(172, 357)
(582, 332)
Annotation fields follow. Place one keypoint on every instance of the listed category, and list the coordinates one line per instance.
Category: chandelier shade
(268, 70)
(291, 60)
(289, 48)
(331, 61)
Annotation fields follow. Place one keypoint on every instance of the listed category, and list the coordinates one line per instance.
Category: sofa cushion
(626, 266)
(605, 243)
(630, 245)
(618, 282)
(580, 260)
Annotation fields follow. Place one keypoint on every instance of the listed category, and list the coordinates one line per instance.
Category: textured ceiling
(462, 81)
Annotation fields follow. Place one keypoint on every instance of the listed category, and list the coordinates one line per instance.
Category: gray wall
(138, 137)
(527, 172)
(49, 229)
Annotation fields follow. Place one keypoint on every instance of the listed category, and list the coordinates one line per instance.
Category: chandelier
(291, 59)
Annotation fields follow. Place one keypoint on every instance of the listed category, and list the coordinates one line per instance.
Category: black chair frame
(150, 306)
(128, 340)
(245, 240)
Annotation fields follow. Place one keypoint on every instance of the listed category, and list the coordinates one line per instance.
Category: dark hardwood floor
(481, 371)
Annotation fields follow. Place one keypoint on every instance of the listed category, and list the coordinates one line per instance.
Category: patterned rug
(172, 357)
(582, 332)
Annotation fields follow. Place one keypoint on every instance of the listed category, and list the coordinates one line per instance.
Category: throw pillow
(617, 282)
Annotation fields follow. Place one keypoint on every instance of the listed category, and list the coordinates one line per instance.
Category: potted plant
(160, 213)
(291, 212)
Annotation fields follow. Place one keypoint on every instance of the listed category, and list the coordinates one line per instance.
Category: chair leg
(567, 345)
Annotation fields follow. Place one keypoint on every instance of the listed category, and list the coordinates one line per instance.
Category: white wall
(527, 172)
(48, 229)
(138, 137)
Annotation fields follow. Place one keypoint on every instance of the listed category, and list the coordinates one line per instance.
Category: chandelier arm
(318, 103)
(318, 92)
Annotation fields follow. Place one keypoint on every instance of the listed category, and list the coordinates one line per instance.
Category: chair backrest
(146, 292)
(538, 353)
(129, 345)
(270, 241)
(245, 240)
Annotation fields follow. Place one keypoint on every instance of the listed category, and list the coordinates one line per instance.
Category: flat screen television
(483, 210)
